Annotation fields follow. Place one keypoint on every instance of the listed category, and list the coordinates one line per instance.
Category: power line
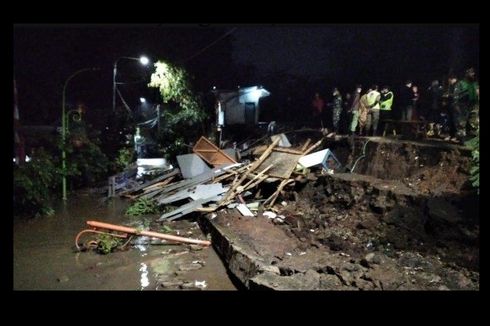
(209, 45)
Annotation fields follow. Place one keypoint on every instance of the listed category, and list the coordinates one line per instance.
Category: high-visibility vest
(371, 98)
(386, 104)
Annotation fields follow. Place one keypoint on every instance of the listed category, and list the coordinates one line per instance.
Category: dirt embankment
(398, 227)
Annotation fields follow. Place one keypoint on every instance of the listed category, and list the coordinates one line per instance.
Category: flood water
(45, 256)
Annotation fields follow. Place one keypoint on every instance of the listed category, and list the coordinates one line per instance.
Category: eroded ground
(410, 222)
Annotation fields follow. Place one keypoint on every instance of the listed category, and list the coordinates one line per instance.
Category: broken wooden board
(210, 153)
(283, 164)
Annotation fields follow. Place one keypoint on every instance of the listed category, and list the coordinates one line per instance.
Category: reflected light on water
(144, 276)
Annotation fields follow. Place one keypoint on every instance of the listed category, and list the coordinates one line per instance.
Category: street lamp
(143, 60)
(64, 125)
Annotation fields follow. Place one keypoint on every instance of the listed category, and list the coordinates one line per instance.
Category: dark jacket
(405, 97)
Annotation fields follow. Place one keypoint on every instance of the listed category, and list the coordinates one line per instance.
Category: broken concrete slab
(299, 281)
(195, 193)
(187, 208)
(243, 209)
(191, 165)
(200, 179)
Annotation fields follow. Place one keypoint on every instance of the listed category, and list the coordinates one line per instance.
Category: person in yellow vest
(373, 98)
(386, 102)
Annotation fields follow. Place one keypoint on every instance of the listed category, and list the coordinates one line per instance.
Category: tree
(182, 111)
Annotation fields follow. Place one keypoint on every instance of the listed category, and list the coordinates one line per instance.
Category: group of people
(451, 113)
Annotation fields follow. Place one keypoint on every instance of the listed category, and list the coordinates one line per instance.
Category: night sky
(293, 60)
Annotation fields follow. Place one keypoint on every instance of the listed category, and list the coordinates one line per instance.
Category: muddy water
(45, 257)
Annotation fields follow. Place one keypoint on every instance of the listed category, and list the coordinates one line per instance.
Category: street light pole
(144, 61)
(64, 127)
(114, 72)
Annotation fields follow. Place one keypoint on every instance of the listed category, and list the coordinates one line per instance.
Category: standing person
(138, 143)
(318, 105)
(406, 101)
(465, 97)
(453, 107)
(415, 100)
(473, 120)
(354, 108)
(363, 112)
(373, 98)
(435, 90)
(345, 116)
(386, 102)
(336, 109)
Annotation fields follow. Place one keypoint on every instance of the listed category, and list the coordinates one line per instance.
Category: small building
(240, 106)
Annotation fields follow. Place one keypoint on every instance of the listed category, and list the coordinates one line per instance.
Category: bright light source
(27, 158)
(144, 60)
(214, 87)
(142, 100)
(256, 94)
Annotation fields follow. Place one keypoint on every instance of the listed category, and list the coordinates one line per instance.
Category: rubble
(318, 225)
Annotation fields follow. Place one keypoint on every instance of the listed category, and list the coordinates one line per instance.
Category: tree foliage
(34, 183)
(38, 182)
(86, 163)
(125, 156)
(182, 112)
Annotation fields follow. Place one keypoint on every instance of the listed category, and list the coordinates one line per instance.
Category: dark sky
(228, 55)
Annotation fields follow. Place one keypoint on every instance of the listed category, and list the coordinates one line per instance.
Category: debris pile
(233, 184)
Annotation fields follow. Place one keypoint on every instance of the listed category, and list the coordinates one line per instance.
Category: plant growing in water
(141, 207)
(106, 243)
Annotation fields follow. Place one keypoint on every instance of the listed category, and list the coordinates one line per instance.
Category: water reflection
(144, 276)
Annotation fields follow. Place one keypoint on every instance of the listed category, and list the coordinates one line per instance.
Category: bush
(34, 183)
(474, 145)
(86, 163)
(125, 156)
(142, 206)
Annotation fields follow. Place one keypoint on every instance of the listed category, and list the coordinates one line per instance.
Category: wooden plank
(273, 197)
(210, 153)
(153, 181)
(313, 147)
(254, 166)
(287, 150)
(283, 164)
(305, 146)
